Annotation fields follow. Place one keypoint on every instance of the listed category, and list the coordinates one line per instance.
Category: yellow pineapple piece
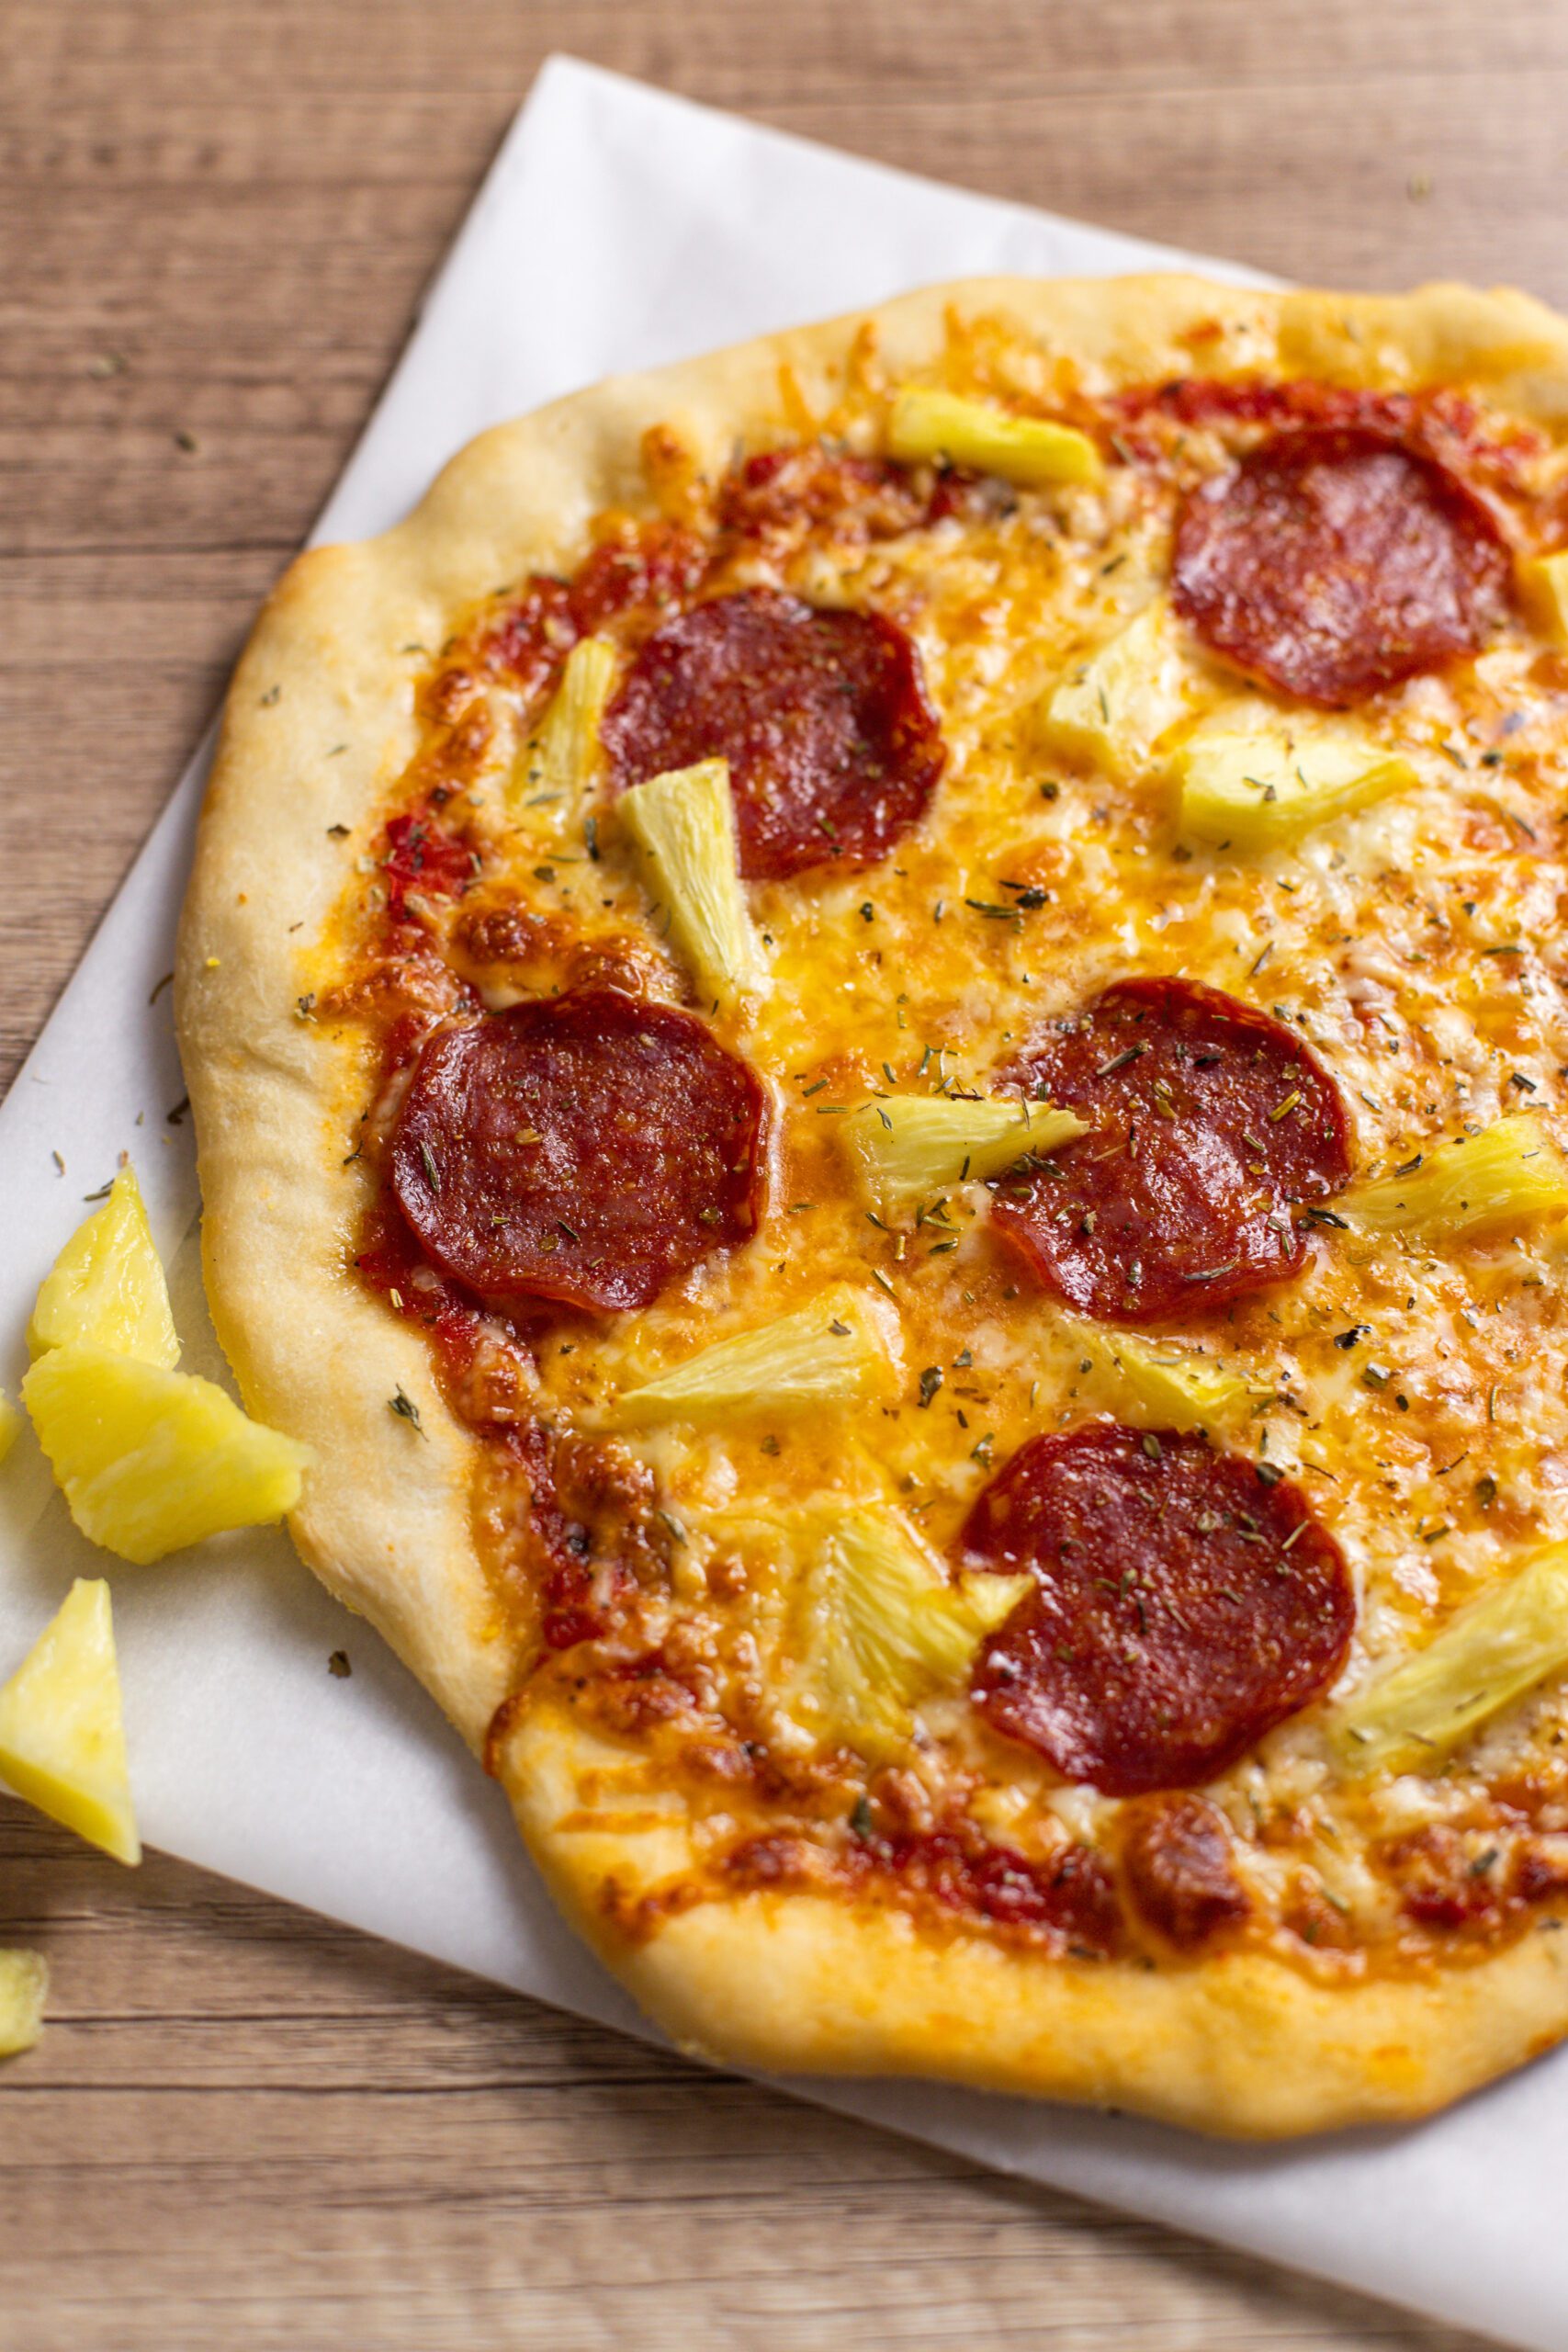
(826, 1354)
(10, 1425)
(1029, 450)
(106, 1286)
(879, 1625)
(1513, 1170)
(151, 1459)
(24, 1982)
(1157, 1384)
(1115, 706)
(682, 825)
(1251, 776)
(1544, 585)
(558, 765)
(1492, 1653)
(907, 1147)
(62, 1733)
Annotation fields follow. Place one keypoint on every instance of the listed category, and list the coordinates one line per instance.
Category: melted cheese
(1418, 1389)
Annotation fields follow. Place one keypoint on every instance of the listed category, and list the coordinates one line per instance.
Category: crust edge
(1239, 2044)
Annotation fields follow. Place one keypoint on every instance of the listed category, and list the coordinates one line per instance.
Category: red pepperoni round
(1333, 561)
(833, 749)
(1208, 1121)
(1182, 1605)
(586, 1148)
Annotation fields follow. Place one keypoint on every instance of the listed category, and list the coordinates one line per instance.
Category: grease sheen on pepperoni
(1334, 560)
(1183, 1606)
(1208, 1121)
(587, 1148)
(833, 748)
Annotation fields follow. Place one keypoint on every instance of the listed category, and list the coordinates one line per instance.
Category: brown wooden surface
(246, 2128)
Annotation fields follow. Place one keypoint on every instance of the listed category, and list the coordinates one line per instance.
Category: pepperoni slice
(1207, 1122)
(1336, 560)
(586, 1148)
(1182, 1605)
(833, 749)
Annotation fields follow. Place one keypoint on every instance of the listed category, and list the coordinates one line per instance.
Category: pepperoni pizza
(880, 1048)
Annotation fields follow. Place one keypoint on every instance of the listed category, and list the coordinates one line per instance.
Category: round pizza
(879, 1041)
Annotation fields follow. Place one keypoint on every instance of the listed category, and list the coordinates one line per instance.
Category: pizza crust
(789, 1981)
(808, 1983)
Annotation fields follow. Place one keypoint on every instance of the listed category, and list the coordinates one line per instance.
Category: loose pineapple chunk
(1492, 1653)
(1115, 706)
(1251, 776)
(558, 765)
(911, 1145)
(1545, 590)
(880, 1625)
(1511, 1170)
(106, 1286)
(24, 1981)
(823, 1354)
(1023, 449)
(62, 1733)
(1160, 1384)
(151, 1459)
(682, 824)
(10, 1425)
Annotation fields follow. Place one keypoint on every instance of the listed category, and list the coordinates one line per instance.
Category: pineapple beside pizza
(149, 1460)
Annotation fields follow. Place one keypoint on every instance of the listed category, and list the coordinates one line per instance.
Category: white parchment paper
(618, 228)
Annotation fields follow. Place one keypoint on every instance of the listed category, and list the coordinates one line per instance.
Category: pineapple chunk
(911, 1145)
(1545, 590)
(1115, 706)
(1492, 1653)
(24, 1981)
(1250, 776)
(558, 764)
(826, 1354)
(106, 1286)
(1513, 1170)
(682, 825)
(10, 1425)
(61, 1734)
(151, 1459)
(1158, 1385)
(881, 1627)
(1023, 449)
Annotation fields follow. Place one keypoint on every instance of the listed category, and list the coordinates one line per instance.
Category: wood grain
(246, 2128)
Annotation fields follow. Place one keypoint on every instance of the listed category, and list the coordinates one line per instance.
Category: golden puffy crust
(801, 1983)
(320, 723)
(385, 1519)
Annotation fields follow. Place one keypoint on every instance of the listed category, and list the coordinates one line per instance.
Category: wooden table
(245, 2129)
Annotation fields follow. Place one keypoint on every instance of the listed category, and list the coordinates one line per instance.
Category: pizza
(878, 1030)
